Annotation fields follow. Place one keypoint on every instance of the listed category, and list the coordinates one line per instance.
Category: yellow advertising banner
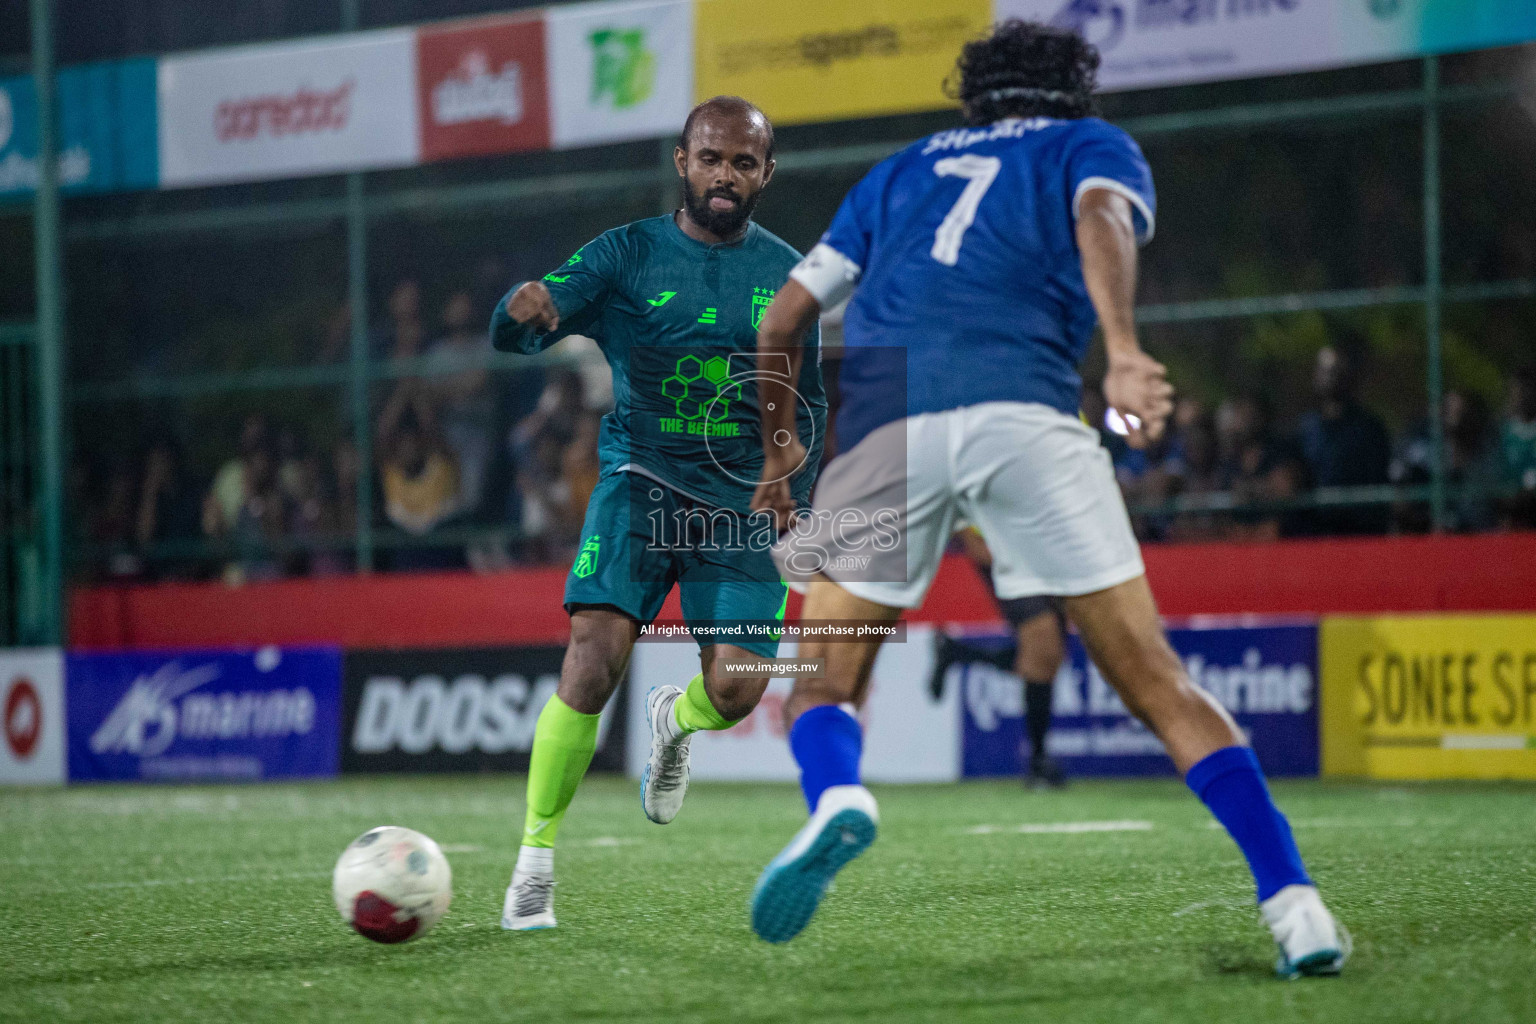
(1429, 697)
(826, 60)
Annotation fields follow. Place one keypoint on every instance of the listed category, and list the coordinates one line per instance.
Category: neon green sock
(563, 744)
(693, 711)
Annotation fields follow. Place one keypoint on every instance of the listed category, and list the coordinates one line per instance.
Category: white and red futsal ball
(392, 884)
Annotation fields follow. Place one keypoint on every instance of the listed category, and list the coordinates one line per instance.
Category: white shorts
(1034, 481)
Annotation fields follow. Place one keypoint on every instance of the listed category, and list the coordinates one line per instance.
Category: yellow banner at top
(828, 60)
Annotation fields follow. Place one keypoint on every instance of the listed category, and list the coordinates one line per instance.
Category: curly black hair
(1025, 69)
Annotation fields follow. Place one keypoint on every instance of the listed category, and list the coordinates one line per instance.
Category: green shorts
(640, 537)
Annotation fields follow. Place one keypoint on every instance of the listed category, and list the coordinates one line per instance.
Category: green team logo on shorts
(761, 298)
(701, 391)
(586, 561)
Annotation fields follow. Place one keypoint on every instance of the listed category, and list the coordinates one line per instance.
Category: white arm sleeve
(827, 274)
(1148, 224)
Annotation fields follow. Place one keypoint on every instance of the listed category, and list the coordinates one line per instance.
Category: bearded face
(719, 209)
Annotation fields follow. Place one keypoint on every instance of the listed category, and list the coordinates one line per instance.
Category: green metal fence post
(49, 338)
(362, 425)
(1434, 296)
(360, 369)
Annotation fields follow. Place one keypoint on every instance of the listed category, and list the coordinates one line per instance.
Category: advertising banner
(106, 129)
(31, 717)
(463, 710)
(1430, 697)
(1266, 676)
(619, 70)
(482, 88)
(285, 109)
(1146, 43)
(824, 60)
(271, 713)
(908, 737)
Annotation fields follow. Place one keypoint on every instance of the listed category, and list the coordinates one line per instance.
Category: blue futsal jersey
(965, 255)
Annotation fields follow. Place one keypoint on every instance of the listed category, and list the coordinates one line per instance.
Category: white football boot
(792, 885)
(530, 903)
(1311, 942)
(664, 782)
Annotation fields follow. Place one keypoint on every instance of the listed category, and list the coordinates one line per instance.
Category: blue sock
(826, 742)
(1231, 784)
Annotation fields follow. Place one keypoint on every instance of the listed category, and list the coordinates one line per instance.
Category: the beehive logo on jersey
(762, 298)
(701, 391)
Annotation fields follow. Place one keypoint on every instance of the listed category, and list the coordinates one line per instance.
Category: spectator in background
(336, 337)
(1344, 444)
(416, 469)
(1286, 480)
(1471, 473)
(112, 524)
(344, 476)
(580, 465)
(229, 490)
(545, 497)
(1197, 472)
(1244, 449)
(1517, 449)
(290, 456)
(559, 411)
(465, 407)
(550, 522)
(402, 337)
(1165, 467)
(311, 521)
(245, 506)
(168, 505)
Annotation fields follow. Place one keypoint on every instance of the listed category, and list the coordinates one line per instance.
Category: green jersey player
(674, 302)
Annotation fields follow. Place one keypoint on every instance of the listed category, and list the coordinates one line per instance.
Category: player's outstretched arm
(781, 344)
(1136, 384)
(526, 312)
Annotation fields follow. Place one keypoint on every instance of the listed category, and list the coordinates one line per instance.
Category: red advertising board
(1491, 572)
(481, 88)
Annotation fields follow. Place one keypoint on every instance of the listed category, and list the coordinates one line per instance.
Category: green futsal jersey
(677, 320)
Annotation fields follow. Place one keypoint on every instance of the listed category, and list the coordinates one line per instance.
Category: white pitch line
(1063, 828)
(149, 883)
(462, 848)
(1204, 905)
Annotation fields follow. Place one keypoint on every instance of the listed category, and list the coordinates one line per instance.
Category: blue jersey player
(978, 262)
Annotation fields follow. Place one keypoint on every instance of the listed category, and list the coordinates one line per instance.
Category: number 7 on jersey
(980, 172)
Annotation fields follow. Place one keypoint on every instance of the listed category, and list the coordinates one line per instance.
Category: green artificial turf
(213, 904)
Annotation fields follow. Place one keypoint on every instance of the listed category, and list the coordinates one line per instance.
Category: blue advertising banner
(204, 715)
(1265, 675)
(108, 139)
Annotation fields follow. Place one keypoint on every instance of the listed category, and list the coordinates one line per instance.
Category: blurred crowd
(1231, 472)
(482, 468)
(471, 468)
